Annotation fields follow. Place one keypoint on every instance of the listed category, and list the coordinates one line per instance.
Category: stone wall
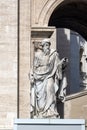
(42, 10)
(8, 62)
(76, 106)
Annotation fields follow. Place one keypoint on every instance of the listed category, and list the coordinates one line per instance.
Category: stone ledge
(42, 32)
(62, 124)
(76, 95)
(5, 129)
(50, 121)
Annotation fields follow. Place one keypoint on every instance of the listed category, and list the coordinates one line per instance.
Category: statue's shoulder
(38, 54)
(53, 52)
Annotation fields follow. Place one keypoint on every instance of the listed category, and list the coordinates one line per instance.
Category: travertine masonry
(76, 106)
(24, 59)
(8, 62)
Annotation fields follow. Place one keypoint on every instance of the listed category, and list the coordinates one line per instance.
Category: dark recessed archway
(72, 15)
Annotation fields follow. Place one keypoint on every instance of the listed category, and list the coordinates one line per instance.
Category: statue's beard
(47, 51)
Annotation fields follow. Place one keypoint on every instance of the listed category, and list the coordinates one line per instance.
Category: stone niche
(38, 34)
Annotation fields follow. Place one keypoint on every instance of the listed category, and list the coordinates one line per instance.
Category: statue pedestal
(49, 124)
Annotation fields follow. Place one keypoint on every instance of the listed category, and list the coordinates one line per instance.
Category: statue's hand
(31, 77)
(65, 60)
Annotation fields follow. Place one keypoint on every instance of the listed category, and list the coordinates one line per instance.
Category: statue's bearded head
(46, 46)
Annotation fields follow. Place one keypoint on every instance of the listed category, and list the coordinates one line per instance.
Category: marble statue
(83, 67)
(48, 82)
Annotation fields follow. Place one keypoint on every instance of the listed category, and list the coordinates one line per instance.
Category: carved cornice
(42, 32)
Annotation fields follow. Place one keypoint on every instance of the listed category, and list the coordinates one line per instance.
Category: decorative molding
(42, 32)
(47, 11)
(48, 8)
(76, 95)
(37, 19)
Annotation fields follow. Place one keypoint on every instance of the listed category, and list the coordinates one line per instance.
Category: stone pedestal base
(49, 124)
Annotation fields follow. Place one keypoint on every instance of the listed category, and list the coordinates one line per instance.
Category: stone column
(24, 58)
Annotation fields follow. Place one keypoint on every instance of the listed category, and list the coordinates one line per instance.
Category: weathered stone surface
(8, 63)
(76, 106)
(24, 58)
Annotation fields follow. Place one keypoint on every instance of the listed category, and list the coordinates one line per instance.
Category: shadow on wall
(63, 48)
(68, 45)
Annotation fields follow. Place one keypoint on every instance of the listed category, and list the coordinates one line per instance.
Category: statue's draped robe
(47, 74)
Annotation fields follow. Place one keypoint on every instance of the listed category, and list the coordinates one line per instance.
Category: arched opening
(71, 15)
